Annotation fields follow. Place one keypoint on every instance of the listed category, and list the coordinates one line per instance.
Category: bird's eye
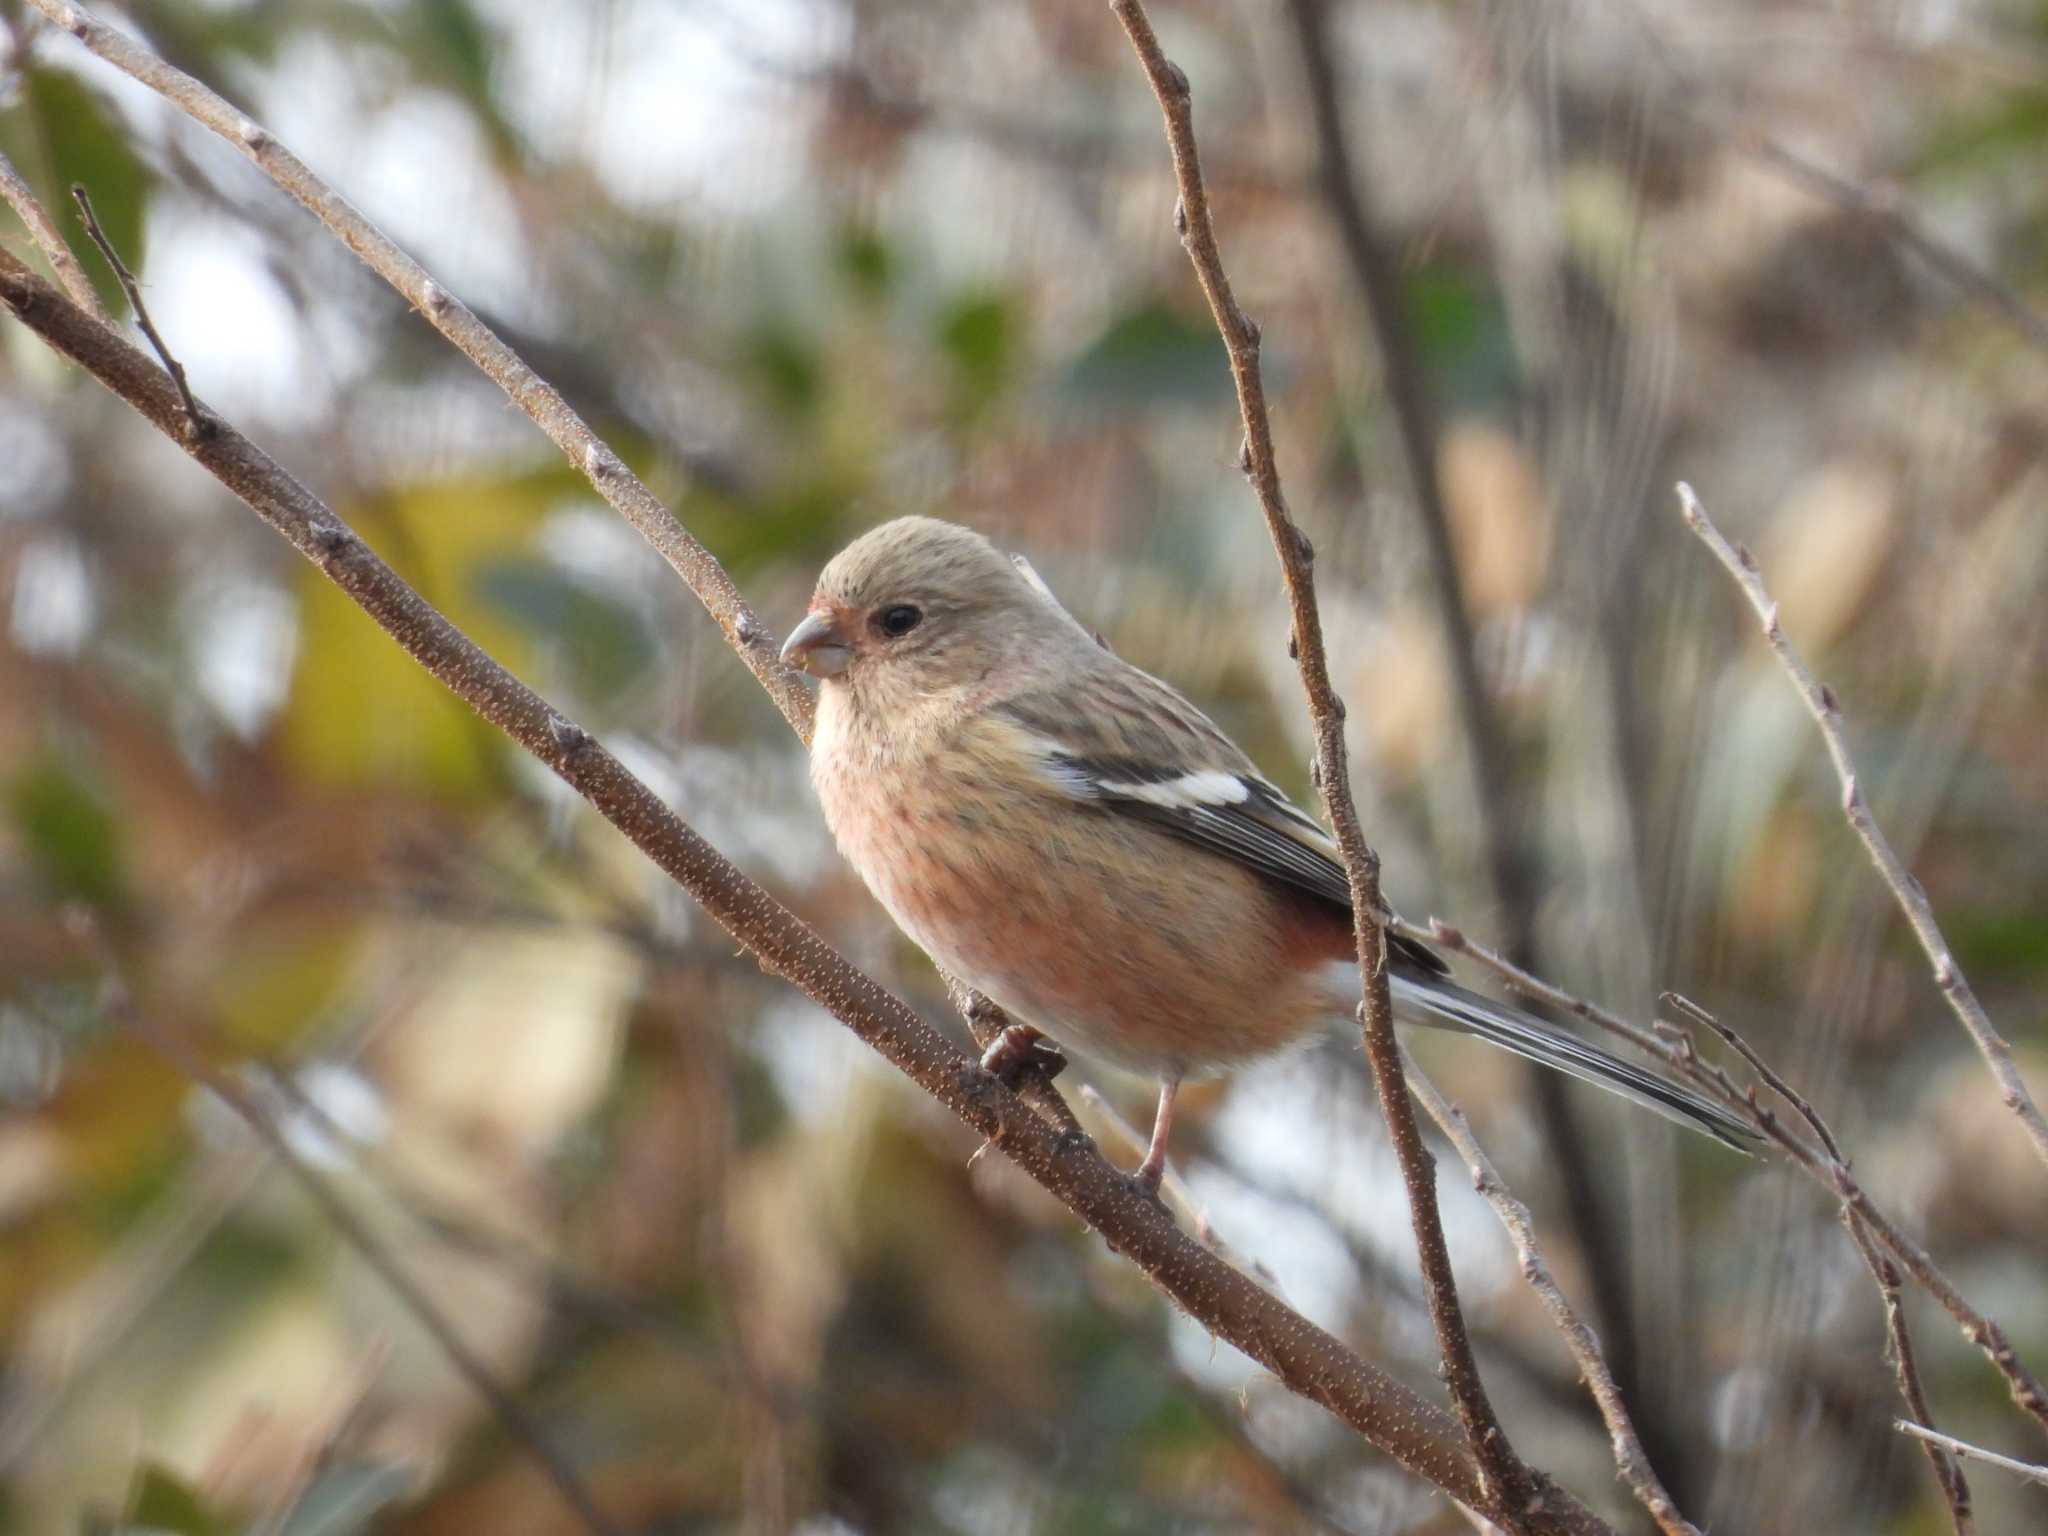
(898, 620)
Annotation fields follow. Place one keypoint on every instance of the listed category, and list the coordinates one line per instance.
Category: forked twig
(1821, 703)
(1630, 1459)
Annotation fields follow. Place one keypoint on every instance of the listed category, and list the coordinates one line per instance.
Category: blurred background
(809, 264)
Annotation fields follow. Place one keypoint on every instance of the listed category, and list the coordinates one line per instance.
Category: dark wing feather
(1160, 760)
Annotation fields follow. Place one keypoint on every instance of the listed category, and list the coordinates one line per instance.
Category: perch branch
(1306, 1358)
(1827, 714)
(1510, 1488)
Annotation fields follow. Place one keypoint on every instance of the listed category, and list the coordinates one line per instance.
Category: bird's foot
(1020, 1046)
(1145, 1179)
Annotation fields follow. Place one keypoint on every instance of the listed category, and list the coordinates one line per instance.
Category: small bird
(1075, 840)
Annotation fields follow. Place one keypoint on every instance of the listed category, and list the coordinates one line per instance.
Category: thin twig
(1630, 1459)
(605, 470)
(1955, 1488)
(2026, 1469)
(1826, 1167)
(528, 1262)
(195, 421)
(1495, 802)
(18, 195)
(1822, 1160)
(1827, 714)
(1306, 1358)
(1509, 1486)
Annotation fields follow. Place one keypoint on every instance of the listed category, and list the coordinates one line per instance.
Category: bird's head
(923, 604)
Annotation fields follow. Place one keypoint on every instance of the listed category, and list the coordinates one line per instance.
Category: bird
(1075, 840)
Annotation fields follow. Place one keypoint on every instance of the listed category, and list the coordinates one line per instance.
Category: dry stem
(15, 192)
(1630, 1459)
(1827, 714)
(1510, 1487)
(2026, 1469)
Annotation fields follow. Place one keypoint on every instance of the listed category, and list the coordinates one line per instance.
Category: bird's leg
(1153, 1168)
(1018, 1046)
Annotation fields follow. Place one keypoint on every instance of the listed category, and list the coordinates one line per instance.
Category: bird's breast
(1096, 927)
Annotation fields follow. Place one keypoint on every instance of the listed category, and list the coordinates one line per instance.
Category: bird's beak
(816, 646)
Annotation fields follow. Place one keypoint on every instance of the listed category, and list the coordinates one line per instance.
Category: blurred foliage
(808, 265)
(62, 135)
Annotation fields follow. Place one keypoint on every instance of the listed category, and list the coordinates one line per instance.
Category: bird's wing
(1126, 742)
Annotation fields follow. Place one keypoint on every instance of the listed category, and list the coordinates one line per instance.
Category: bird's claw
(1018, 1047)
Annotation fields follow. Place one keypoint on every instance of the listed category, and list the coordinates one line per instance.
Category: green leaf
(361, 711)
(447, 42)
(2014, 126)
(605, 641)
(978, 334)
(785, 368)
(867, 262)
(1151, 355)
(162, 1502)
(347, 1498)
(77, 140)
(69, 832)
(1461, 329)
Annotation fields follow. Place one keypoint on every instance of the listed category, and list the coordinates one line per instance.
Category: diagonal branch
(1304, 1357)
(607, 473)
(1509, 1483)
(540, 400)
(1821, 703)
(16, 193)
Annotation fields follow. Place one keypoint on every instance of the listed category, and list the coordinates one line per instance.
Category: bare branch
(1821, 1160)
(1629, 1457)
(607, 473)
(1495, 802)
(1304, 1357)
(1955, 1488)
(1827, 714)
(42, 229)
(1510, 1487)
(2026, 1469)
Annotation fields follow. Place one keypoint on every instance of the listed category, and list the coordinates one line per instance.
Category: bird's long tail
(1443, 1004)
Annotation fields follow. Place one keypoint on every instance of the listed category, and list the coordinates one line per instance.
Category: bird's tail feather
(1445, 1005)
